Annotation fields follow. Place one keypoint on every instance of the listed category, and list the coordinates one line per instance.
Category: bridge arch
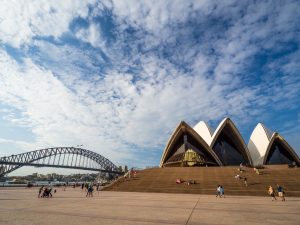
(61, 157)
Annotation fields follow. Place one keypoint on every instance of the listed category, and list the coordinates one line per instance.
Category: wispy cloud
(21, 21)
(117, 76)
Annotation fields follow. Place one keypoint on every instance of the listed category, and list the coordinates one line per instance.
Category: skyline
(118, 77)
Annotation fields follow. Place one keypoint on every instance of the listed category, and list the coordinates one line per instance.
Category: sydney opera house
(201, 146)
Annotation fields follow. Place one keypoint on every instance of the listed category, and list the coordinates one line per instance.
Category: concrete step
(207, 178)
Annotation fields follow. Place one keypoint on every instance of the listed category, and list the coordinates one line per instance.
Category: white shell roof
(259, 142)
(219, 129)
(204, 131)
(210, 137)
(258, 147)
(184, 126)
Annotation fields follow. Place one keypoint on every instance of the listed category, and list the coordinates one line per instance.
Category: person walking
(50, 187)
(90, 190)
(272, 193)
(280, 192)
(40, 191)
(98, 187)
(222, 192)
(245, 181)
(218, 191)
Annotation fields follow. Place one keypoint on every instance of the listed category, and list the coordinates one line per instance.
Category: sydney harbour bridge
(60, 157)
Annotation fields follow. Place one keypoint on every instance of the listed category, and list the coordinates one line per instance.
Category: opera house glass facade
(228, 152)
(278, 154)
(188, 149)
(199, 146)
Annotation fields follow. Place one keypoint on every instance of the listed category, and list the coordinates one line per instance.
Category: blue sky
(118, 76)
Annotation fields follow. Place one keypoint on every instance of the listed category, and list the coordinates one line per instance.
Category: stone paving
(20, 206)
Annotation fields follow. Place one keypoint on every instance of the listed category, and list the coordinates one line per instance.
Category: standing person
(222, 193)
(50, 194)
(280, 192)
(45, 193)
(50, 189)
(218, 190)
(87, 192)
(82, 186)
(98, 187)
(40, 191)
(90, 190)
(245, 181)
(272, 193)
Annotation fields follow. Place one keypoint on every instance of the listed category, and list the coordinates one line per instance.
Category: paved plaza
(20, 206)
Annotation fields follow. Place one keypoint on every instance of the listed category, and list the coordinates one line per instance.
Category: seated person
(178, 181)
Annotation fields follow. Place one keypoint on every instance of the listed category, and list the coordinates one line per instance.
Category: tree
(120, 168)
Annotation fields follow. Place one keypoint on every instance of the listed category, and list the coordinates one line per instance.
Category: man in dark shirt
(280, 192)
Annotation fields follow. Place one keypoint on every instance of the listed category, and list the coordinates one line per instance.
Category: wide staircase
(207, 179)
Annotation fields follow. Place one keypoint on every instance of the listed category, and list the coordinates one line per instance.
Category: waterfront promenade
(20, 206)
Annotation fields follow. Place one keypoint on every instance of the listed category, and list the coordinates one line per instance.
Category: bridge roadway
(63, 166)
(21, 206)
(60, 157)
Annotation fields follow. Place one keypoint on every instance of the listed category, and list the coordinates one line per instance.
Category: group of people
(89, 187)
(130, 173)
(241, 178)
(188, 182)
(241, 170)
(279, 191)
(89, 190)
(220, 191)
(45, 191)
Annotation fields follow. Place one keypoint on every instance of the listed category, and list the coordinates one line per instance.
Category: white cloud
(65, 100)
(155, 17)
(55, 114)
(23, 144)
(113, 113)
(91, 35)
(21, 20)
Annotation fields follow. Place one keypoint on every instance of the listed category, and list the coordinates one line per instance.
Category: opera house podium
(210, 158)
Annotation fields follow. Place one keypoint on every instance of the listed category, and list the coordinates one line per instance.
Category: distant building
(200, 146)
(35, 175)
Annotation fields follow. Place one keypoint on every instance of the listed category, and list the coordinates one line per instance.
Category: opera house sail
(229, 145)
(187, 148)
(200, 146)
(270, 148)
